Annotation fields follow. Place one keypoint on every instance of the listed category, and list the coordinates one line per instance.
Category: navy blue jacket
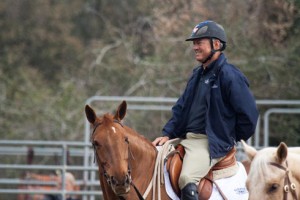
(231, 113)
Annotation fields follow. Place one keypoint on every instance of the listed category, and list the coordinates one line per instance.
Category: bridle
(288, 185)
(110, 179)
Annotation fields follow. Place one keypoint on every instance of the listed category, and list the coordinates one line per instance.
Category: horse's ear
(250, 151)
(282, 152)
(121, 112)
(90, 114)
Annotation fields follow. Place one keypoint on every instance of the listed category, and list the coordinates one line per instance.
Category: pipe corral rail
(83, 148)
(12, 147)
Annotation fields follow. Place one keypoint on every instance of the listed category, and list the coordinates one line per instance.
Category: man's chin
(200, 60)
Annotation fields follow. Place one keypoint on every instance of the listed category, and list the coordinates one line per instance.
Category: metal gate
(89, 182)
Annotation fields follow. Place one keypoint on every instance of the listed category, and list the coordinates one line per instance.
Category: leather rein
(288, 185)
(109, 178)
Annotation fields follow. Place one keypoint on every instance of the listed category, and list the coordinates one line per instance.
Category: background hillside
(57, 53)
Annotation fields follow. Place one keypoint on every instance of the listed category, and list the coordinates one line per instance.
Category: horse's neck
(143, 165)
(295, 150)
(143, 159)
(294, 162)
(144, 154)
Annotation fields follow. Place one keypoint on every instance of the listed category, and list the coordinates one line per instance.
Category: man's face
(202, 49)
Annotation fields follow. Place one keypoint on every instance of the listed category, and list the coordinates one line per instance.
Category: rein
(109, 179)
(288, 185)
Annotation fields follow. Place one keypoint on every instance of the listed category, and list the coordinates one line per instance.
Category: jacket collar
(215, 64)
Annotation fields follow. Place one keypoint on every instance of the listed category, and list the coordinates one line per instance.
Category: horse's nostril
(113, 180)
(127, 179)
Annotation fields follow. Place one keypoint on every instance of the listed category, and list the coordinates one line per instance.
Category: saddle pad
(168, 185)
(237, 183)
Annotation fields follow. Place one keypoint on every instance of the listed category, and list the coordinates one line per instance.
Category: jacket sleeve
(244, 105)
(172, 126)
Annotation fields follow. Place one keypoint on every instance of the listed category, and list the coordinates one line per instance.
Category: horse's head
(269, 173)
(112, 151)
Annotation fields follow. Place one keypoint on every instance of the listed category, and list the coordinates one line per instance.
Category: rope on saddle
(158, 174)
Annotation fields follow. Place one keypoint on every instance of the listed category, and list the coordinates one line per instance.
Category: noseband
(288, 185)
(110, 179)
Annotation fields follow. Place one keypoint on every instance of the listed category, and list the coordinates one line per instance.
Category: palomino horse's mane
(261, 163)
(267, 155)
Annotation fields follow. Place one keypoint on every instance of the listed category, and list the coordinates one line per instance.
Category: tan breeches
(196, 162)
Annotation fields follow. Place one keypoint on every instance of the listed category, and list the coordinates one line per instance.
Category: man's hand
(160, 141)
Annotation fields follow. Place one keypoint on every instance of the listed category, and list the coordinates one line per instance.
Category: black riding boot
(189, 192)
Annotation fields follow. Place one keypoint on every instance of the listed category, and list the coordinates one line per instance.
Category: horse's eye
(273, 188)
(96, 144)
(126, 140)
(104, 164)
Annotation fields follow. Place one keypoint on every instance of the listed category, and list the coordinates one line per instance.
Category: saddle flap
(206, 184)
(174, 166)
(228, 161)
(205, 187)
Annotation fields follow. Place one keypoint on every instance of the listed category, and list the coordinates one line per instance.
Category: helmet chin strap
(209, 57)
(213, 51)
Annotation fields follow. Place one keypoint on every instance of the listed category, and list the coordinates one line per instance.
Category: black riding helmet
(208, 29)
(211, 30)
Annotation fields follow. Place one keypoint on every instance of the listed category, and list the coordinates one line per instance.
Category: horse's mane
(261, 161)
(108, 118)
(141, 141)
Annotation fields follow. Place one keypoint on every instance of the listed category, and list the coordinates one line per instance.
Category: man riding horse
(216, 109)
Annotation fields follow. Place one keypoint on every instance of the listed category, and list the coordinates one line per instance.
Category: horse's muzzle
(120, 187)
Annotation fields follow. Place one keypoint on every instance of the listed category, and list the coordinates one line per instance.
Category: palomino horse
(274, 173)
(126, 160)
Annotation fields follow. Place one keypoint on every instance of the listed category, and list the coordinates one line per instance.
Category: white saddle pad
(234, 187)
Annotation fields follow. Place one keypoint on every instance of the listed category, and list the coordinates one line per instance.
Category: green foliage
(56, 54)
(285, 128)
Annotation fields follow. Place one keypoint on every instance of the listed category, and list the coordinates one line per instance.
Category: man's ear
(217, 44)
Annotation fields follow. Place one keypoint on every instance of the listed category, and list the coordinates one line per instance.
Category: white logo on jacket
(214, 86)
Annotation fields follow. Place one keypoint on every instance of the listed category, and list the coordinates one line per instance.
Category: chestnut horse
(274, 173)
(127, 160)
